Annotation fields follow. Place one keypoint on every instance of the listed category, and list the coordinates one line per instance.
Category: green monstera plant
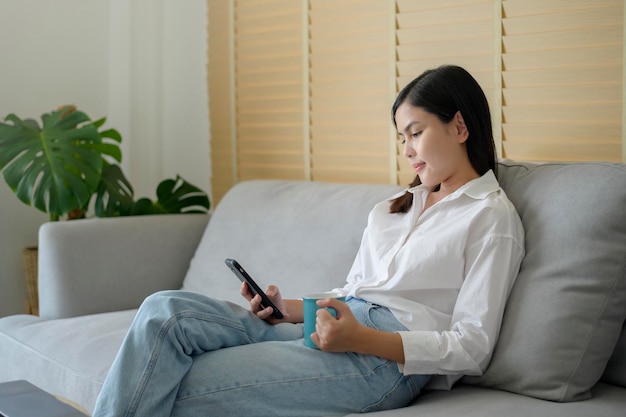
(60, 165)
(57, 167)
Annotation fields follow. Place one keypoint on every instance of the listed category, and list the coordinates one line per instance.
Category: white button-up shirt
(445, 274)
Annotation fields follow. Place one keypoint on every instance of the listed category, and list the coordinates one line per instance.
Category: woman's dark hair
(443, 91)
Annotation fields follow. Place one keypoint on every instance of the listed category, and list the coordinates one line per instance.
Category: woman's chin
(427, 182)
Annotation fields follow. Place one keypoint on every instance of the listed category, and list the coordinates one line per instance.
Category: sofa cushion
(301, 236)
(67, 357)
(473, 401)
(566, 309)
(615, 372)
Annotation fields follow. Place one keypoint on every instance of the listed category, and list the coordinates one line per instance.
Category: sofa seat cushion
(66, 357)
(472, 401)
(568, 304)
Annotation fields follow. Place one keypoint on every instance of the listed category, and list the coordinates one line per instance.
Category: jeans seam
(145, 376)
(234, 324)
(415, 389)
(164, 330)
(260, 384)
(292, 380)
(385, 395)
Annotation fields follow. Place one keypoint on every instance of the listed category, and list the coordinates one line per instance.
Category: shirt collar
(478, 188)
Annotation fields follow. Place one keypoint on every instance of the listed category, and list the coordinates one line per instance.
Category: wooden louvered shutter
(302, 89)
(221, 103)
(268, 89)
(458, 32)
(562, 79)
(350, 68)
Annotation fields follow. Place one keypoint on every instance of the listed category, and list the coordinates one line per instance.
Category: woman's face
(436, 150)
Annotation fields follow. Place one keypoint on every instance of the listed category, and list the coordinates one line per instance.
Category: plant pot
(29, 258)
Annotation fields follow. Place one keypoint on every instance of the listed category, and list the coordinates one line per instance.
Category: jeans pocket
(381, 318)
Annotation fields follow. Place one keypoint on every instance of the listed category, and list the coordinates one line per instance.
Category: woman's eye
(416, 134)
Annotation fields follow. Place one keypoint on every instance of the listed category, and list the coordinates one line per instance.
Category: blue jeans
(189, 355)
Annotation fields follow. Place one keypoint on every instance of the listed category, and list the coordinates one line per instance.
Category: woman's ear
(460, 129)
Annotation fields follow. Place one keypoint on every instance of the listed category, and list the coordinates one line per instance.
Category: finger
(265, 313)
(315, 339)
(339, 306)
(244, 290)
(255, 303)
(272, 291)
(322, 315)
(331, 302)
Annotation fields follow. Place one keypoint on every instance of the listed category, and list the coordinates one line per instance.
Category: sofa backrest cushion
(568, 304)
(301, 236)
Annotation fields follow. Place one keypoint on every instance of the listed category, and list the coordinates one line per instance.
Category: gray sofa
(562, 349)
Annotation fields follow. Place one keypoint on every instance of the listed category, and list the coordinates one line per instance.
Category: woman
(425, 295)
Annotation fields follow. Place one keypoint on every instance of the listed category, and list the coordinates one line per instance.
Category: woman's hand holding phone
(252, 289)
(273, 293)
(269, 306)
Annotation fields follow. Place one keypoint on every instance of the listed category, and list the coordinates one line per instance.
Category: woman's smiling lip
(418, 166)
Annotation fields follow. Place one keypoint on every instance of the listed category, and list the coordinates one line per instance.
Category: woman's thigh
(290, 379)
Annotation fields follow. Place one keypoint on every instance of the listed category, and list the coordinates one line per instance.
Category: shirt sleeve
(492, 265)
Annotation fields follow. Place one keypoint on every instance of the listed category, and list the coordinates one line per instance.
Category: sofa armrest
(101, 265)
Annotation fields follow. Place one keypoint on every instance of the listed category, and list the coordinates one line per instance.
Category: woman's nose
(409, 152)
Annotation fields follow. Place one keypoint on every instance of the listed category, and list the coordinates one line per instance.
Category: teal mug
(310, 313)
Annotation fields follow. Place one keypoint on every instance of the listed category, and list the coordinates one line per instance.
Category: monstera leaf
(174, 196)
(55, 167)
(115, 194)
(59, 166)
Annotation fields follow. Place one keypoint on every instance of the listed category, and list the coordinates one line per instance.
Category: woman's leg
(169, 329)
(290, 379)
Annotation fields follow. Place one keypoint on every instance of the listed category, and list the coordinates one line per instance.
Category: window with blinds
(458, 32)
(562, 79)
(349, 69)
(302, 89)
(220, 98)
(268, 89)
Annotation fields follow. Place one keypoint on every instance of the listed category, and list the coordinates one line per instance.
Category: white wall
(141, 63)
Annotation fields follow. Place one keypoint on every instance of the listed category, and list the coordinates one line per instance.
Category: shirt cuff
(422, 353)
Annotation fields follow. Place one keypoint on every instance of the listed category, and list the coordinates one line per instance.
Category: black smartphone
(254, 288)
